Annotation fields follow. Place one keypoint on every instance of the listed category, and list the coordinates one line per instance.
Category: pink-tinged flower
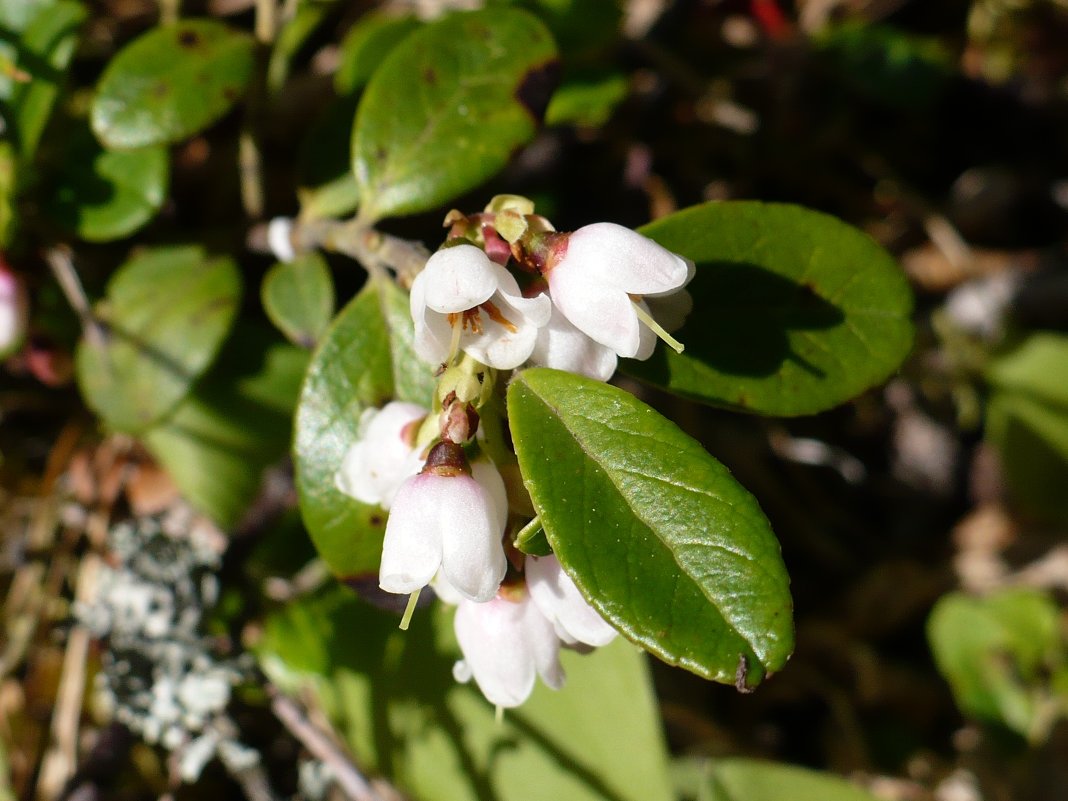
(599, 274)
(506, 643)
(384, 456)
(447, 518)
(562, 346)
(13, 312)
(559, 600)
(463, 299)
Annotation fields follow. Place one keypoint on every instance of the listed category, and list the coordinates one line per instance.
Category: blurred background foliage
(923, 523)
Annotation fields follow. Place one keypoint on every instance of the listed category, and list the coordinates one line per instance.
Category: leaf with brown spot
(171, 83)
(473, 88)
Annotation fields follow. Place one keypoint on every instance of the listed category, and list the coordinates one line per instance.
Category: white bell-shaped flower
(446, 517)
(464, 300)
(13, 312)
(602, 271)
(384, 456)
(562, 346)
(506, 644)
(560, 601)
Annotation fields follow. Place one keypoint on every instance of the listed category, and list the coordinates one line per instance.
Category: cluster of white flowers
(591, 314)
(449, 509)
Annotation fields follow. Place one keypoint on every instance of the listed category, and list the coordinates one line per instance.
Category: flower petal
(433, 334)
(458, 278)
(493, 640)
(411, 550)
(556, 595)
(625, 259)
(600, 311)
(563, 347)
(473, 558)
(379, 462)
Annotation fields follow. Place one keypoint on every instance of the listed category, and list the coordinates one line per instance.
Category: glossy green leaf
(628, 500)
(473, 88)
(103, 195)
(365, 359)
(235, 423)
(997, 654)
(794, 311)
(43, 35)
(366, 45)
(298, 296)
(166, 313)
(1027, 421)
(171, 83)
(758, 780)
(392, 695)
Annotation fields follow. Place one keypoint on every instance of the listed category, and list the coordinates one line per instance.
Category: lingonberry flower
(464, 301)
(450, 516)
(562, 346)
(506, 644)
(383, 456)
(12, 312)
(559, 600)
(597, 276)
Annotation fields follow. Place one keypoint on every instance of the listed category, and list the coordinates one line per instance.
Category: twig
(62, 267)
(249, 155)
(62, 757)
(169, 11)
(348, 777)
(375, 250)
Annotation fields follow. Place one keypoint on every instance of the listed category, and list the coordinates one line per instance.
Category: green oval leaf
(166, 313)
(298, 296)
(365, 359)
(758, 780)
(628, 500)
(997, 654)
(1027, 421)
(108, 194)
(393, 696)
(794, 311)
(171, 83)
(39, 40)
(366, 46)
(473, 88)
(234, 424)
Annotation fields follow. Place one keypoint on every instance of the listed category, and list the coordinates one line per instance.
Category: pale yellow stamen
(657, 329)
(409, 610)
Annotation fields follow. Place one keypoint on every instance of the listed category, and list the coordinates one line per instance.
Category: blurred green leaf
(171, 83)
(737, 779)
(794, 311)
(166, 313)
(628, 500)
(997, 654)
(473, 88)
(392, 695)
(587, 99)
(235, 423)
(366, 46)
(102, 195)
(38, 40)
(365, 359)
(1027, 421)
(887, 64)
(298, 296)
(293, 35)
